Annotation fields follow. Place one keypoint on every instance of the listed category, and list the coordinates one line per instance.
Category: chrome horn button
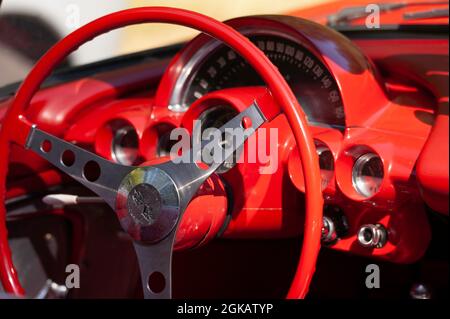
(148, 204)
(144, 204)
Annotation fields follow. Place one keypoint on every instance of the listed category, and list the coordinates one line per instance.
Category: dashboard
(369, 126)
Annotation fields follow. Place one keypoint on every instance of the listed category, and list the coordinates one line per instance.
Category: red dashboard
(377, 109)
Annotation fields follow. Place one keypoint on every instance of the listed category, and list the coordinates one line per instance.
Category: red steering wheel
(117, 184)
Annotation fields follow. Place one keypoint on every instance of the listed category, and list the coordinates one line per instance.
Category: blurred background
(29, 28)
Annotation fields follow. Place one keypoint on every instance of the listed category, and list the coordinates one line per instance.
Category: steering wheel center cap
(148, 204)
(144, 204)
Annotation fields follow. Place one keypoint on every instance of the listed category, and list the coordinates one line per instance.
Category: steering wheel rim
(10, 130)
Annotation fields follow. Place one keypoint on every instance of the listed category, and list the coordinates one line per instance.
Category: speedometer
(218, 67)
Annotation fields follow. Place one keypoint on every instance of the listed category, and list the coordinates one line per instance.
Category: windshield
(29, 28)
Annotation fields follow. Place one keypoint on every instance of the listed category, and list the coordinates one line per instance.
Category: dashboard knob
(372, 235)
(329, 234)
(420, 291)
(334, 225)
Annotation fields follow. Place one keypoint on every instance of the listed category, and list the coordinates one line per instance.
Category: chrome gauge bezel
(358, 182)
(326, 163)
(118, 154)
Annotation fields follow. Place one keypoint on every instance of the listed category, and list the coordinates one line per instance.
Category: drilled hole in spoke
(91, 171)
(206, 160)
(156, 282)
(202, 165)
(46, 146)
(68, 158)
(246, 122)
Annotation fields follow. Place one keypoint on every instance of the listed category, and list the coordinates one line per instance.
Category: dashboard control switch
(329, 234)
(372, 235)
(335, 225)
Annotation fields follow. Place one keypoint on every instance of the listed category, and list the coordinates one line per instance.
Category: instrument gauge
(326, 163)
(215, 67)
(368, 174)
(125, 144)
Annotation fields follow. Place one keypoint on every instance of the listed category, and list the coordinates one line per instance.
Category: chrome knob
(329, 234)
(420, 291)
(372, 235)
(334, 225)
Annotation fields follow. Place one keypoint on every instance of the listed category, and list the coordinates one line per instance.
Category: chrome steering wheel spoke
(155, 265)
(94, 172)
